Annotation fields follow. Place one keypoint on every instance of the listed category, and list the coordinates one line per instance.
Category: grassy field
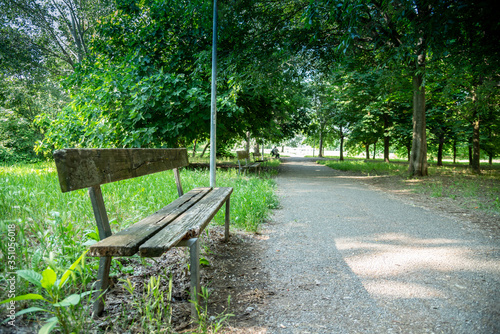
(455, 181)
(52, 229)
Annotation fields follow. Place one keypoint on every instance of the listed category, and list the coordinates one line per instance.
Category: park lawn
(454, 181)
(52, 228)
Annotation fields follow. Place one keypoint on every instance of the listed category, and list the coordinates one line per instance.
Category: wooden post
(102, 221)
(177, 176)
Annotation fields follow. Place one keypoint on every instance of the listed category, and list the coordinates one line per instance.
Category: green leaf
(31, 276)
(49, 278)
(49, 326)
(204, 262)
(24, 297)
(70, 300)
(89, 242)
(28, 310)
(71, 269)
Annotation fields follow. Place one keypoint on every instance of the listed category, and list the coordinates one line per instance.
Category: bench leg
(194, 268)
(102, 284)
(102, 221)
(226, 221)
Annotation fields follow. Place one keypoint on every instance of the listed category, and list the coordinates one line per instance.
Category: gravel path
(343, 258)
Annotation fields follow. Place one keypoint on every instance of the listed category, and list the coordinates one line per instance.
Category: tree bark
(367, 151)
(454, 152)
(475, 148)
(440, 152)
(418, 157)
(470, 152)
(387, 143)
(374, 150)
(341, 133)
(475, 135)
(204, 149)
(320, 155)
(194, 147)
(247, 148)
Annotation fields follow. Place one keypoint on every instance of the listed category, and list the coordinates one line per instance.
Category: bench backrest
(242, 155)
(84, 168)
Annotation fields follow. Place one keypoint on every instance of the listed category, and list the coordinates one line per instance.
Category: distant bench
(243, 167)
(257, 157)
(178, 224)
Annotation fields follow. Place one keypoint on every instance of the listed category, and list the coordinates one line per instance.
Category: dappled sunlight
(383, 262)
(394, 254)
(395, 289)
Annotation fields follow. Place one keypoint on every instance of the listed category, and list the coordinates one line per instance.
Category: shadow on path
(342, 258)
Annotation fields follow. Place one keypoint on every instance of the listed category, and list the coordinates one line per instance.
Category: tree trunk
(194, 148)
(374, 150)
(341, 133)
(418, 157)
(247, 148)
(367, 151)
(440, 152)
(475, 148)
(470, 152)
(387, 142)
(490, 158)
(320, 155)
(454, 152)
(204, 149)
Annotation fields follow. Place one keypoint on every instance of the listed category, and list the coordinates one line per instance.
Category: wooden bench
(243, 155)
(257, 157)
(177, 224)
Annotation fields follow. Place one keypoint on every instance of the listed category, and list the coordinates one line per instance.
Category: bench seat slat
(187, 225)
(127, 242)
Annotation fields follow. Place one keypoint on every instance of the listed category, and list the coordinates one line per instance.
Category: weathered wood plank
(102, 221)
(187, 225)
(242, 155)
(83, 168)
(100, 214)
(127, 242)
(178, 183)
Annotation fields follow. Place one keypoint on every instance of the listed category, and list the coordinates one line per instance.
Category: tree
(58, 30)
(146, 83)
(401, 34)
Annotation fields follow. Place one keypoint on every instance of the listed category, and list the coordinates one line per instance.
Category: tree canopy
(415, 77)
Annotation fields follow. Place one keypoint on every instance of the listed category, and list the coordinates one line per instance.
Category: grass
(53, 229)
(365, 167)
(455, 181)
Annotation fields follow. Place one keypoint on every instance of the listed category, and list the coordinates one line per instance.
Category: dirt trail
(340, 257)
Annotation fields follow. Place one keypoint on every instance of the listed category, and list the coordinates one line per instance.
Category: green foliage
(207, 324)
(53, 228)
(63, 308)
(147, 84)
(366, 167)
(153, 306)
(17, 138)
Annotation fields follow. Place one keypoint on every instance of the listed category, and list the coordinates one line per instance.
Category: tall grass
(54, 227)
